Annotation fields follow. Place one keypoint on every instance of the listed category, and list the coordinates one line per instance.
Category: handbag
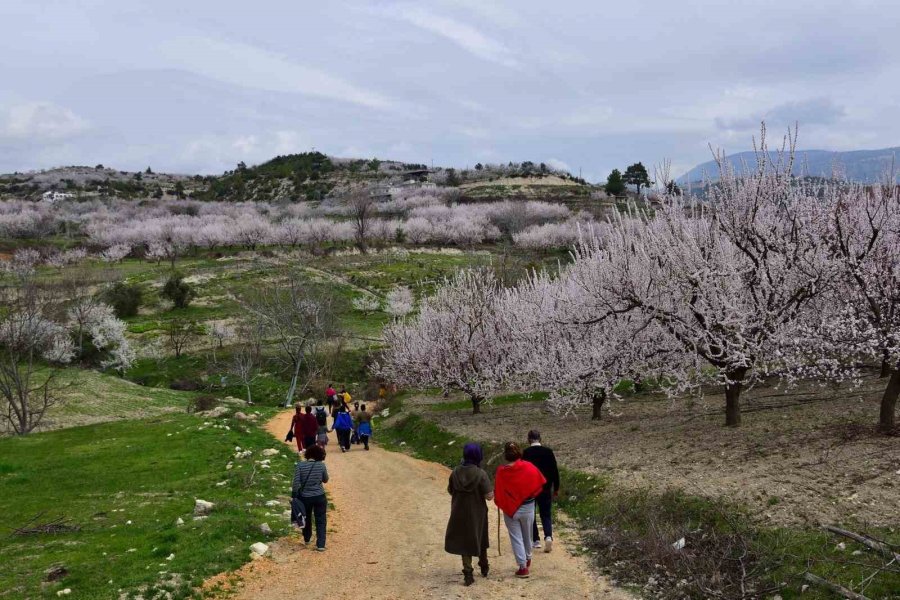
(290, 434)
(298, 509)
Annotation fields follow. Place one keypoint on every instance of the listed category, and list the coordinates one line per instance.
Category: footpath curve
(386, 522)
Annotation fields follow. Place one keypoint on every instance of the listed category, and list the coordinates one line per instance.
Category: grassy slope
(92, 397)
(148, 472)
(630, 531)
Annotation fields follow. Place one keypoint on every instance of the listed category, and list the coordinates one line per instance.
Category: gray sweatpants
(519, 526)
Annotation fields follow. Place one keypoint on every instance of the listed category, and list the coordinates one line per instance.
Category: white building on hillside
(52, 196)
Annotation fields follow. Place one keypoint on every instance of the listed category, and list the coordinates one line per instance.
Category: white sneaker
(548, 544)
(536, 544)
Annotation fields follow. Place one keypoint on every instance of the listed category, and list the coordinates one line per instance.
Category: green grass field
(125, 484)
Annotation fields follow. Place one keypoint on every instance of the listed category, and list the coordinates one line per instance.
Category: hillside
(297, 177)
(547, 187)
(99, 181)
(866, 166)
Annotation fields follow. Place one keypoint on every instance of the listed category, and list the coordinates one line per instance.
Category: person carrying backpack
(322, 426)
(343, 424)
(309, 475)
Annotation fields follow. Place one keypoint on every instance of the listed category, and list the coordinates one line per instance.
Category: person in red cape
(516, 485)
(296, 431)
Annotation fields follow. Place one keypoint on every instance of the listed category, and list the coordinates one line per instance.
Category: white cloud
(249, 66)
(479, 133)
(589, 116)
(558, 165)
(40, 121)
(217, 153)
(463, 35)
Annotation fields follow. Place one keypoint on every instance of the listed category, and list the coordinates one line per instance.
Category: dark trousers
(309, 441)
(343, 436)
(315, 507)
(482, 562)
(364, 440)
(543, 503)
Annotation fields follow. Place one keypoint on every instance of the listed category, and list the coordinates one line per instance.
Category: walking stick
(499, 553)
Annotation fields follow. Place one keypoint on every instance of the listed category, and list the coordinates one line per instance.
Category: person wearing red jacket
(310, 427)
(296, 432)
(516, 485)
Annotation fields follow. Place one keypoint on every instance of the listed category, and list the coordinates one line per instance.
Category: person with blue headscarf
(467, 529)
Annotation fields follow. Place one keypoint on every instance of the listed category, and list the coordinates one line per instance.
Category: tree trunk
(249, 399)
(290, 395)
(597, 401)
(733, 397)
(476, 404)
(886, 419)
(885, 367)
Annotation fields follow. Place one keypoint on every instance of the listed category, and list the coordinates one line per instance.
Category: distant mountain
(864, 166)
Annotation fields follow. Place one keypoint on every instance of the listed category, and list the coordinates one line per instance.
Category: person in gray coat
(309, 477)
(467, 529)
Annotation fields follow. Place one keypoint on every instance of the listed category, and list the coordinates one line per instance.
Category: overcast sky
(198, 85)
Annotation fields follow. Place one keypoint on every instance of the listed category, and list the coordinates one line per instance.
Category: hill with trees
(298, 177)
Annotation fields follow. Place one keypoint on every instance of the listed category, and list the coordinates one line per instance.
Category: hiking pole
(499, 553)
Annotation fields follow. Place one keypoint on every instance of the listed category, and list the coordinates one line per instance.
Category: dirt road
(386, 540)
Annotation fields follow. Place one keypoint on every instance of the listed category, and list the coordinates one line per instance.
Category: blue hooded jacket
(343, 421)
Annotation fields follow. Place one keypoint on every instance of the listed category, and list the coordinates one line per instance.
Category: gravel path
(385, 540)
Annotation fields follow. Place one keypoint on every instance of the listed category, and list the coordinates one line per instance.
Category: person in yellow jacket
(345, 395)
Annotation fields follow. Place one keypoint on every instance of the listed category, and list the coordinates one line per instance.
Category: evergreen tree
(615, 186)
(637, 176)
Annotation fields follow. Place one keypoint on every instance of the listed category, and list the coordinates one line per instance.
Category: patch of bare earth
(808, 455)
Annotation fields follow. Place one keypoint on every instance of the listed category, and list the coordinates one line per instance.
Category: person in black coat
(544, 459)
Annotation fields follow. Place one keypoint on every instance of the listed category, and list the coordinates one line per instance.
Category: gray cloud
(198, 87)
(812, 112)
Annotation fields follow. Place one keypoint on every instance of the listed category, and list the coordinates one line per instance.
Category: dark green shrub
(202, 403)
(124, 298)
(185, 385)
(178, 291)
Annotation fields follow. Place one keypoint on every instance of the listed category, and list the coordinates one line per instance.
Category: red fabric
(297, 426)
(309, 425)
(330, 392)
(516, 483)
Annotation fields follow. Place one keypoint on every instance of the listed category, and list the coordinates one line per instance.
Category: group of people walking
(309, 427)
(527, 481)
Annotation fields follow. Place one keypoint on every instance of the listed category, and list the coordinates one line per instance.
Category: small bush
(185, 385)
(124, 298)
(178, 291)
(202, 403)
